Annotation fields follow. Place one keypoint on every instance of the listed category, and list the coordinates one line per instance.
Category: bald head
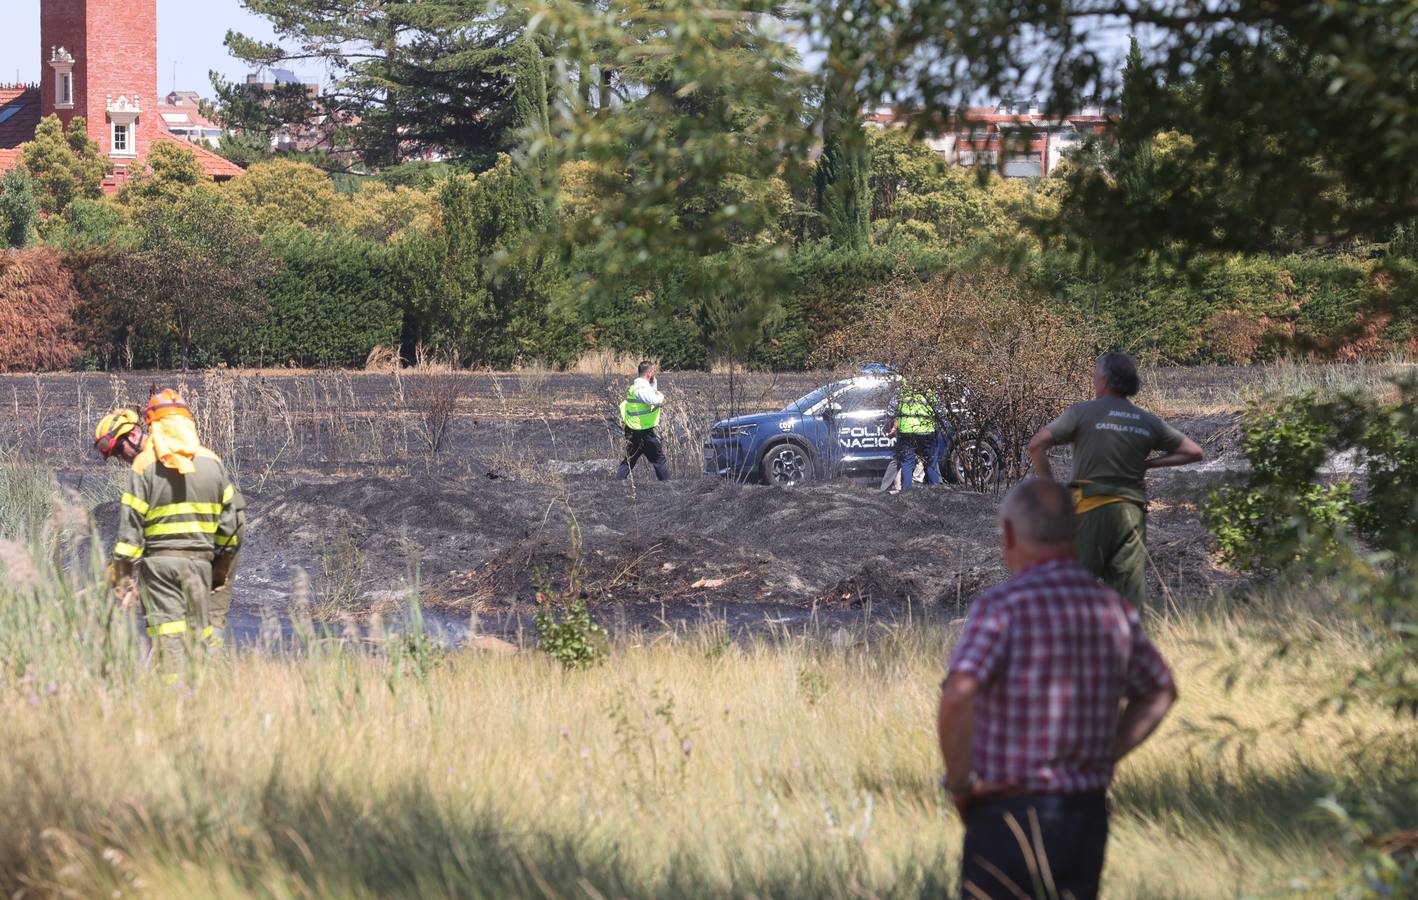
(1038, 514)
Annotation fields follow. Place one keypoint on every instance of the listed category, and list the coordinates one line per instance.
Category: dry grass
(605, 362)
(1213, 391)
(687, 766)
(368, 765)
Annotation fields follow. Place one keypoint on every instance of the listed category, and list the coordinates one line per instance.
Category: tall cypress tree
(843, 170)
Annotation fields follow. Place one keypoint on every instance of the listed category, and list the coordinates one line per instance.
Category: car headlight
(733, 431)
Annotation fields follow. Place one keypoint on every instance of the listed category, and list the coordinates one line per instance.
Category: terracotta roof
(19, 115)
(213, 166)
(182, 115)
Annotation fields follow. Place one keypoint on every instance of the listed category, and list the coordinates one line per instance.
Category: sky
(190, 41)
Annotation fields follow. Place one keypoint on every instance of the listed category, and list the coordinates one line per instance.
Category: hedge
(332, 303)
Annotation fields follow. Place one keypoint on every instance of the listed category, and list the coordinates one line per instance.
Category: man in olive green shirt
(1113, 442)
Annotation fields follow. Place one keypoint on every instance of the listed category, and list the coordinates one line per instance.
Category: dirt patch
(518, 512)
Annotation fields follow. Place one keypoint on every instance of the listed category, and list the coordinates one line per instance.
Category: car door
(860, 427)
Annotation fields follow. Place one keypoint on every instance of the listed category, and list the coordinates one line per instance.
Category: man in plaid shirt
(1051, 683)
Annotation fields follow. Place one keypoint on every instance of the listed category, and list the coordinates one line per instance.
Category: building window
(1024, 165)
(62, 61)
(123, 119)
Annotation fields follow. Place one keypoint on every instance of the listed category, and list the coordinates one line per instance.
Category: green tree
(382, 215)
(693, 159)
(478, 283)
(89, 225)
(914, 191)
(197, 270)
(435, 75)
(169, 172)
(19, 208)
(65, 164)
(841, 177)
(282, 193)
(1299, 113)
(245, 148)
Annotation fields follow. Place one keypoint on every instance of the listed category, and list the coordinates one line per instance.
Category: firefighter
(640, 413)
(179, 528)
(1113, 442)
(914, 424)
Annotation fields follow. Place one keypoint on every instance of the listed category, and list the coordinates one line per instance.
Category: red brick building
(99, 61)
(1015, 139)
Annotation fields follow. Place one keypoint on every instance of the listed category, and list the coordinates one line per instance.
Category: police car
(838, 430)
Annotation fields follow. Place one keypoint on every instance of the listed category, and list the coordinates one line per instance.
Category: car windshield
(808, 401)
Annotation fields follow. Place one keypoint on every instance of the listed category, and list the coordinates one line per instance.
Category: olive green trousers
(177, 603)
(1112, 544)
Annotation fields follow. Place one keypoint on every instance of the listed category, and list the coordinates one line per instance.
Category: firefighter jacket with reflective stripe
(916, 412)
(164, 510)
(636, 413)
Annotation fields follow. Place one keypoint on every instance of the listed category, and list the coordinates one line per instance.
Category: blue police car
(838, 430)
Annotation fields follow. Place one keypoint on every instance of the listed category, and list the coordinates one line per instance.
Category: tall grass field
(685, 765)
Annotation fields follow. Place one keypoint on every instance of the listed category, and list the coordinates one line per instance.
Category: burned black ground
(516, 511)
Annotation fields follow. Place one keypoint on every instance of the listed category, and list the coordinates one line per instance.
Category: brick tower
(100, 62)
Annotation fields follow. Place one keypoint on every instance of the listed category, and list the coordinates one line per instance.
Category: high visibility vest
(916, 413)
(636, 415)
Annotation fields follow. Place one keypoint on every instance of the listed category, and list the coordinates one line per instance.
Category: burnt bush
(37, 312)
(1002, 359)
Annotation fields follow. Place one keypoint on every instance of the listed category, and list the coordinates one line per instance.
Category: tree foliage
(197, 268)
(281, 193)
(435, 75)
(65, 164)
(1312, 95)
(38, 321)
(19, 208)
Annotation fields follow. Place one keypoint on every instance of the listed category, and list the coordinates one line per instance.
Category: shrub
(37, 312)
(1282, 511)
(571, 638)
(1002, 358)
(334, 300)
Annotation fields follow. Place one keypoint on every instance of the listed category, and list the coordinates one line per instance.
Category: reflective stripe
(180, 528)
(140, 505)
(228, 540)
(185, 509)
(127, 551)
(167, 629)
(637, 414)
(229, 493)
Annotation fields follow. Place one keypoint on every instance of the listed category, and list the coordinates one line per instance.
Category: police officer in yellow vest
(1113, 442)
(640, 413)
(915, 425)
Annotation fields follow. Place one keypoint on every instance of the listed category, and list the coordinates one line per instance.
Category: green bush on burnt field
(1358, 539)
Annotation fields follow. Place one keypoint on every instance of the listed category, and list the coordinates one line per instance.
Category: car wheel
(974, 461)
(786, 465)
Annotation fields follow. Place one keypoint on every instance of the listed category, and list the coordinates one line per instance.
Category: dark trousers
(1055, 848)
(923, 447)
(647, 444)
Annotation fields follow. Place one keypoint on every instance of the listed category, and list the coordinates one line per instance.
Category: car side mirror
(832, 409)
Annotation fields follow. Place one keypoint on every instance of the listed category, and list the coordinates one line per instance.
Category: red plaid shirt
(1056, 653)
